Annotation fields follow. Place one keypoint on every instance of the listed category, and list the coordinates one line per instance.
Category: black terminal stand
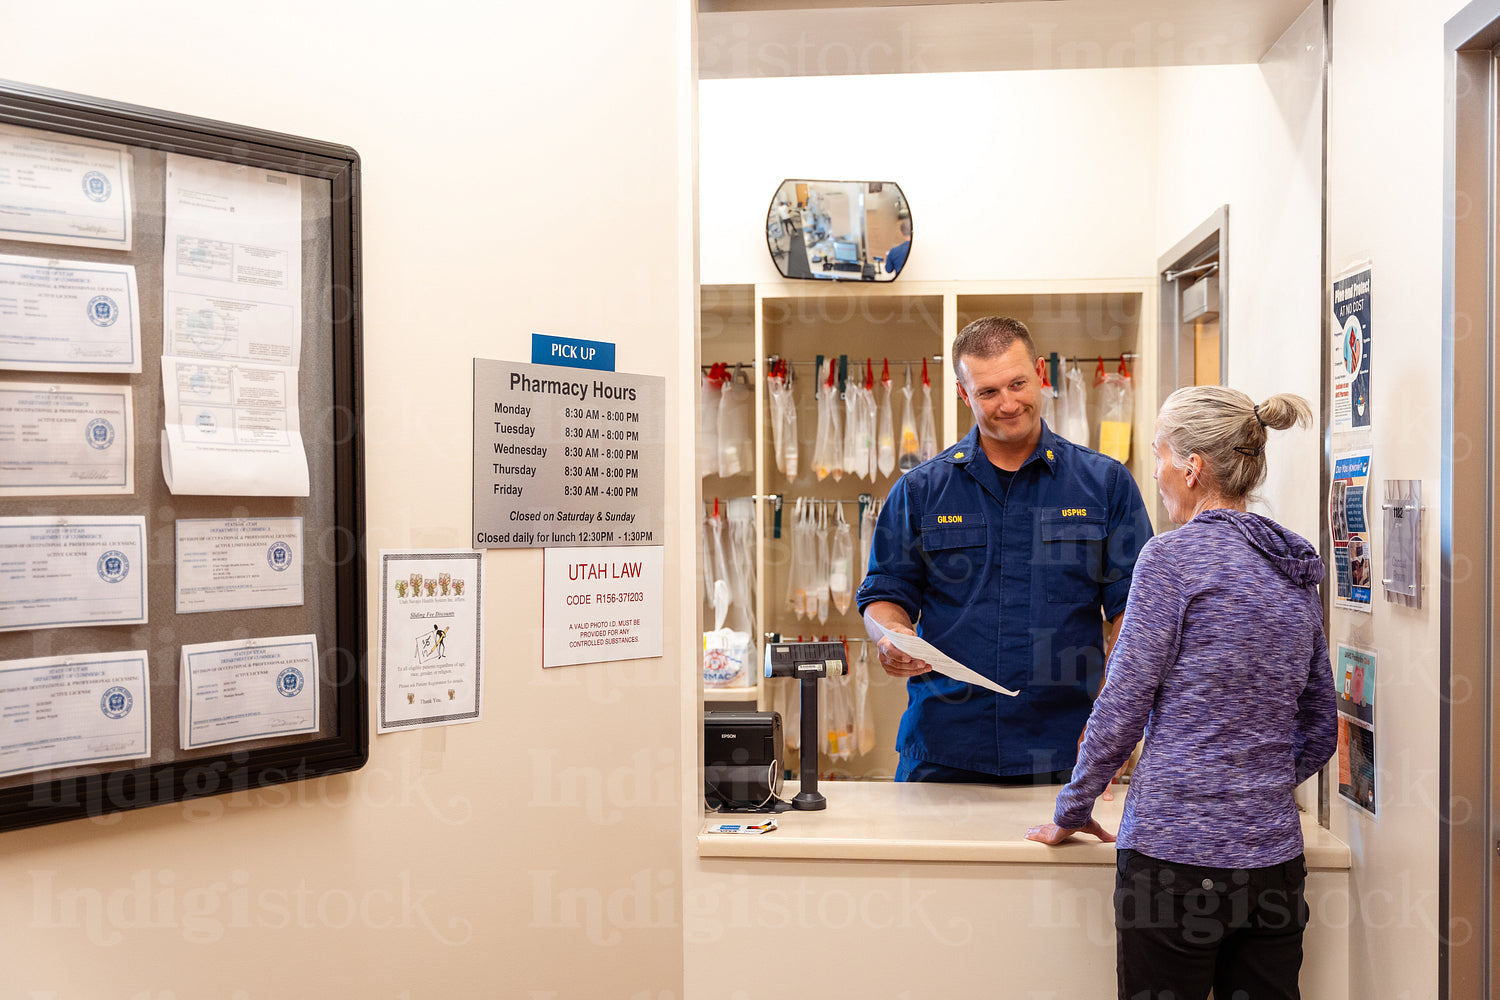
(807, 661)
(809, 797)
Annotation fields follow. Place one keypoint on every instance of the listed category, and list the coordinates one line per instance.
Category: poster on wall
(1357, 763)
(430, 631)
(1353, 560)
(1351, 349)
(1354, 681)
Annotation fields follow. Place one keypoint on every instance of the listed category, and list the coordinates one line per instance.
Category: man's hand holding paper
(926, 655)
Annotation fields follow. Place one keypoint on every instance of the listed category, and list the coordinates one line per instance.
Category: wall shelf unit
(902, 322)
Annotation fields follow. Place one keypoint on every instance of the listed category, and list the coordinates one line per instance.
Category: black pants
(1181, 929)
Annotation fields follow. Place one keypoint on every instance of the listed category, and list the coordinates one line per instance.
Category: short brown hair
(991, 337)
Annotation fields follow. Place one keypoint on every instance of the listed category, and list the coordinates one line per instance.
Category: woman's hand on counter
(1051, 833)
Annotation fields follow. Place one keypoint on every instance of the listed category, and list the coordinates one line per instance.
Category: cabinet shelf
(799, 321)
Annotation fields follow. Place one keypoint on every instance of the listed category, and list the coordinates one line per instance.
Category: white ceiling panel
(761, 38)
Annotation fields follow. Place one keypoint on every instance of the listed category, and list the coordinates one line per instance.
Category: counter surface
(924, 821)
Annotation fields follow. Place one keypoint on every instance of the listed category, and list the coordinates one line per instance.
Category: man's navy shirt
(1010, 580)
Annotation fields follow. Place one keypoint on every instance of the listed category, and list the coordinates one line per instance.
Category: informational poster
(1353, 560)
(1357, 763)
(431, 627)
(1351, 349)
(601, 604)
(1354, 682)
(564, 457)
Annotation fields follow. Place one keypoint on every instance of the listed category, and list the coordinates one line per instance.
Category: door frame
(1467, 830)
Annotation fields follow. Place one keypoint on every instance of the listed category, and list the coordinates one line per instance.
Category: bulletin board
(306, 293)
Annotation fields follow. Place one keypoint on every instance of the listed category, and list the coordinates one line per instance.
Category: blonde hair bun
(1227, 430)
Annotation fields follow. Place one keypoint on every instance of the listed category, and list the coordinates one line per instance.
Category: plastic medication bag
(1074, 408)
(819, 587)
(828, 451)
(800, 569)
(736, 414)
(1047, 405)
(885, 434)
(780, 388)
(710, 389)
(909, 453)
(739, 562)
(725, 659)
(716, 571)
(926, 426)
(1116, 408)
(866, 539)
(856, 456)
(836, 709)
(841, 563)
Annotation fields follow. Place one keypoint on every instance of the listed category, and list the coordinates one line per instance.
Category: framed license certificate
(182, 595)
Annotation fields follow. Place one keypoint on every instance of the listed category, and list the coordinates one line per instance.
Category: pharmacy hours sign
(567, 457)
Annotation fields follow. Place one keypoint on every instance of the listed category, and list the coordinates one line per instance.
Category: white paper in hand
(920, 649)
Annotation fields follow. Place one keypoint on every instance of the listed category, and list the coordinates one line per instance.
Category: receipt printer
(742, 760)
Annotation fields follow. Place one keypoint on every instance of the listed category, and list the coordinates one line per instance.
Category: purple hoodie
(1222, 661)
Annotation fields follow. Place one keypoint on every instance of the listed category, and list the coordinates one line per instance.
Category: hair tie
(1256, 409)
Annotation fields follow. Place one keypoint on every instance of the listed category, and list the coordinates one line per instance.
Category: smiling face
(1003, 392)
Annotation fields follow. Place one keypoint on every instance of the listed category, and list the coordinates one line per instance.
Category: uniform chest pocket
(1068, 555)
(954, 547)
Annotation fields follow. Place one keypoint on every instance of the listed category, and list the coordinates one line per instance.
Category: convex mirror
(839, 230)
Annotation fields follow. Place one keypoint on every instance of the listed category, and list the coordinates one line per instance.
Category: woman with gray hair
(1222, 662)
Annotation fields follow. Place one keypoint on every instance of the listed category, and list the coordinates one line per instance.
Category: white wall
(1250, 136)
(1385, 188)
(1009, 175)
(535, 854)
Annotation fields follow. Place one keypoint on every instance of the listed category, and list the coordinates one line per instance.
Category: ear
(1041, 367)
(1193, 470)
(963, 393)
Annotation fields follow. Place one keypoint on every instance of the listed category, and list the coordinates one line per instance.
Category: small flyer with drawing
(431, 628)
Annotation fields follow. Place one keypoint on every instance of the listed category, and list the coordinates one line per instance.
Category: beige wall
(503, 858)
(1385, 191)
(535, 854)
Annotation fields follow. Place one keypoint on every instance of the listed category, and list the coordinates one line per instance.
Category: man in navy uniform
(1009, 552)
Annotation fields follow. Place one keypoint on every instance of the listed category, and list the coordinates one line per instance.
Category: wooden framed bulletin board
(182, 589)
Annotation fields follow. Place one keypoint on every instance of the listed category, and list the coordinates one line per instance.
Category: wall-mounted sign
(601, 604)
(567, 457)
(596, 354)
